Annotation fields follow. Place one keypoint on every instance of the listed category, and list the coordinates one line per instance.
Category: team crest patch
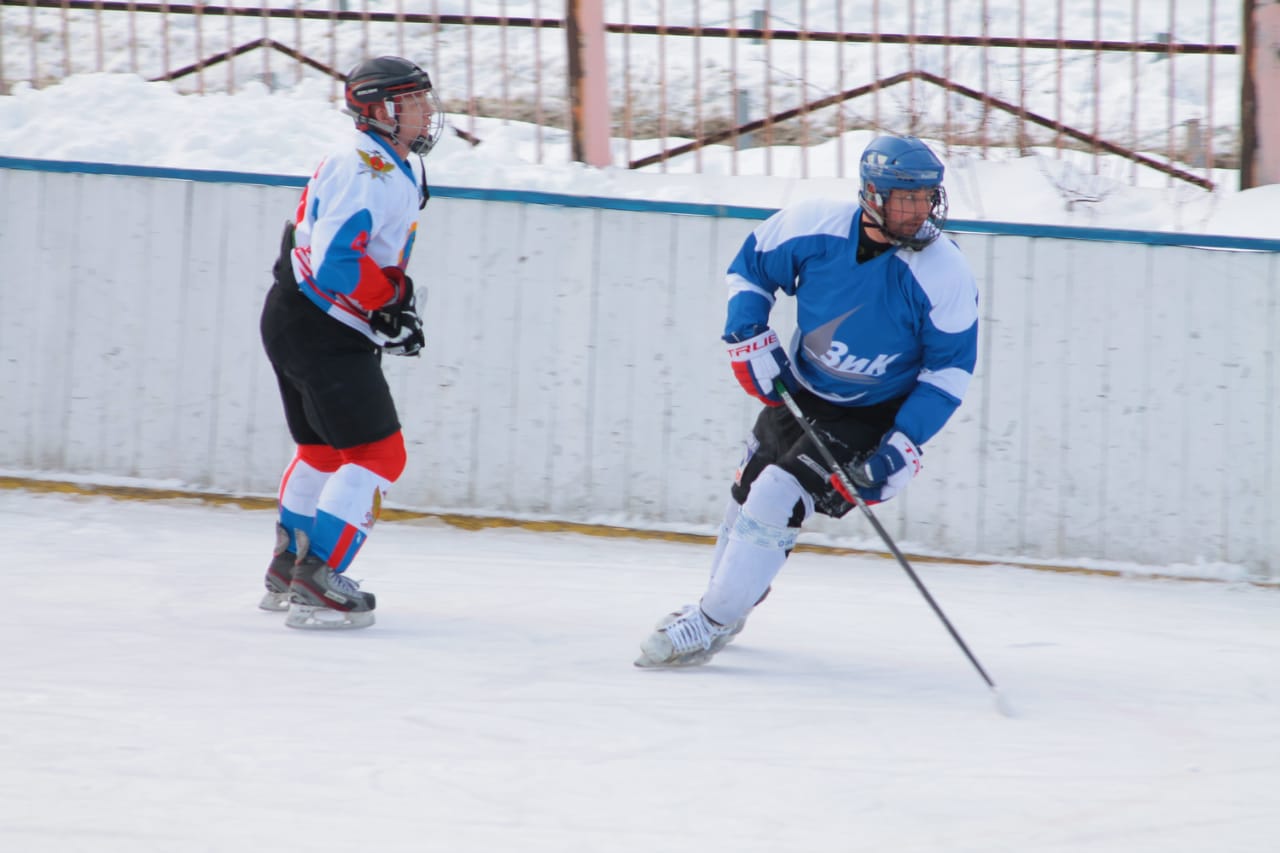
(375, 164)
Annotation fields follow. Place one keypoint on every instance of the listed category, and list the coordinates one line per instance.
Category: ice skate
(321, 598)
(684, 638)
(279, 574)
(734, 630)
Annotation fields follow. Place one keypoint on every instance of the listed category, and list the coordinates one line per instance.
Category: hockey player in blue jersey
(885, 346)
(340, 300)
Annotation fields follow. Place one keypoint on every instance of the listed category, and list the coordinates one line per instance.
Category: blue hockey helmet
(902, 163)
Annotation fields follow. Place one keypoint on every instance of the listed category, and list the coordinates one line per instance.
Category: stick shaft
(839, 472)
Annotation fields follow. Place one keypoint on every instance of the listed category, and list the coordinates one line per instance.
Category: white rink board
(1125, 408)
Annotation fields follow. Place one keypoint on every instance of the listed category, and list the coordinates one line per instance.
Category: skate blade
(311, 618)
(276, 602)
(644, 662)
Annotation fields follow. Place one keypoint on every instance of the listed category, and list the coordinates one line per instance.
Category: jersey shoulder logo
(374, 164)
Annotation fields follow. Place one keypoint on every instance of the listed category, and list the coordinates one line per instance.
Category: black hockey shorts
(848, 431)
(330, 375)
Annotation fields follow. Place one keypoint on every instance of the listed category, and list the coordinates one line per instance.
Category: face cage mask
(424, 142)
(873, 203)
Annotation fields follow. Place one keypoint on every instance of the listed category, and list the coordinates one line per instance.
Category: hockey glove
(400, 330)
(885, 471)
(397, 323)
(758, 359)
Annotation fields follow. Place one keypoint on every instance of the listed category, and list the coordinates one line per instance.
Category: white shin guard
(722, 536)
(756, 545)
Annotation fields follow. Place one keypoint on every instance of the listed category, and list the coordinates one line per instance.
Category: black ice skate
(321, 598)
(279, 574)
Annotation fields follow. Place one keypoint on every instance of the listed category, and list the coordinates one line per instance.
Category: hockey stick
(829, 458)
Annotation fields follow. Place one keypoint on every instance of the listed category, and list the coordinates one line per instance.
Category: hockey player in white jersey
(885, 347)
(340, 300)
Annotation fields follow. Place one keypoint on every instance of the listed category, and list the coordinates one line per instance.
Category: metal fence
(1141, 91)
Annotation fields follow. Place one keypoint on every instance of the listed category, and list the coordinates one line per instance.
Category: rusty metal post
(1259, 114)
(1248, 139)
(537, 82)
(588, 89)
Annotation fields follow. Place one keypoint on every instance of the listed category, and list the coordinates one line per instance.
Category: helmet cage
(891, 163)
(873, 202)
(389, 80)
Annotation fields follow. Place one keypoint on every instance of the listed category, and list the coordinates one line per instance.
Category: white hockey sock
(300, 489)
(347, 510)
(756, 547)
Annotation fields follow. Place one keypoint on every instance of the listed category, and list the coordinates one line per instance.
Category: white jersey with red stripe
(357, 215)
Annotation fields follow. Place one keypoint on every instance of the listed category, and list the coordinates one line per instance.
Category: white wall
(1125, 406)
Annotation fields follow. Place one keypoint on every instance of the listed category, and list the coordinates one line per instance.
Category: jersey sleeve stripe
(952, 381)
(739, 284)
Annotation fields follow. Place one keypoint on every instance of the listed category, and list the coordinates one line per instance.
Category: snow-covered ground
(149, 706)
(1143, 101)
(119, 118)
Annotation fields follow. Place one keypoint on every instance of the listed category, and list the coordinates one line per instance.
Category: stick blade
(1002, 704)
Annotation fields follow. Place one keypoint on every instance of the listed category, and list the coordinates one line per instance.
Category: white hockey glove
(886, 470)
(758, 358)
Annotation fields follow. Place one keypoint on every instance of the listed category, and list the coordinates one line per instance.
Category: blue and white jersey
(357, 215)
(903, 324)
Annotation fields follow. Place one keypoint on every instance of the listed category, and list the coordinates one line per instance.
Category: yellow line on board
(482, 522)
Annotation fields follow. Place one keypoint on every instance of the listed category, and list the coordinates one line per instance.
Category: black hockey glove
(400, 330)
(397, 322)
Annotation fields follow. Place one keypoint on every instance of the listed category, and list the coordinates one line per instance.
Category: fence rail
(1159, 105)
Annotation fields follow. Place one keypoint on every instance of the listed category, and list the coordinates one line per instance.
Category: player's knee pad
(774, 510)
(385, 457)
(321, 457)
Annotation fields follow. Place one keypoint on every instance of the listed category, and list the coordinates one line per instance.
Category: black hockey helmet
(382, 81)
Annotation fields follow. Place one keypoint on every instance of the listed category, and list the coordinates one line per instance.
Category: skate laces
(691, 631)
(340, 581)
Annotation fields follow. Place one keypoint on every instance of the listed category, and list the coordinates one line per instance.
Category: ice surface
(148, 705)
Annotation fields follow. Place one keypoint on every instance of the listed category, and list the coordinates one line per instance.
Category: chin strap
(425, 195)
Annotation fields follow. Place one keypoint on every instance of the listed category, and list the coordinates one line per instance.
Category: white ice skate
(734, 630)
(684, 638)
